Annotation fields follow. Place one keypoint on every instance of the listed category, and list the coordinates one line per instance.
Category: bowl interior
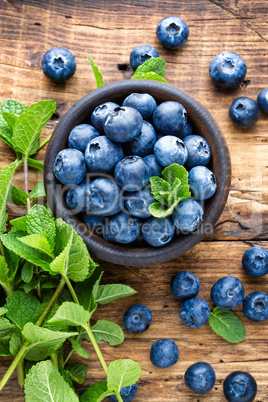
(203, 124)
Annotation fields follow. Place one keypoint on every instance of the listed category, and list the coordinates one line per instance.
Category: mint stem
(54, 359)
(20, 373)
(45, 142)
(26, 189)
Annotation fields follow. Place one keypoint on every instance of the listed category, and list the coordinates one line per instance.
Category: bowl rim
(125, 254)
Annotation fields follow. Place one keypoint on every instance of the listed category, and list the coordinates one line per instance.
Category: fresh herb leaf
(78, 349)
(4, 346)
(77, 372)
(4, 271)
(15, 343)
(6, 175)
(149, 76)
(17, 196)
(22, 308)
(87, 291)
(12, 106)
(227, 325)
(27, 272)
(108, 293)
(158, 211)
(3, 311)
(108, 331)
(27, 287)
(20, 223)
(155, 64)
(159, 189)
(96, 392)
(32, 162)
(96, 71)
(37, 242)
(38, 191)
(10, 118)
(6, 327)
(122, 373)
(26, 133)
(70, 314)
(40, 221)
(45, 384)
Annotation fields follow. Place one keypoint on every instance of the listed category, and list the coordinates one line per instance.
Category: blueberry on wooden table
(102, 154)
(103, 197)
(195, 312)
(155, 167)
(164, 353)
(184, 285)
(240, 386)
(255, 261)
(170, 149)
(137, 319)
(172, 32)
(227, 70)
(81, 135)
(228, 292)
(59, 64)
(200, 377)
(132, 173)
(121, 228)
(170, 118)
(70, 166)
(244, 112)
(123, 124)
(263, 100)
(141, 54)
(199, 152)
(188, 215)
(100, 113)
(255, 306)
(138, 202)
(127, 393)
(158, 231)
(143, 103)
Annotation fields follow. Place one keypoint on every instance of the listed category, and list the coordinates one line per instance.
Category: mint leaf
(227, 325)
(38, 191)
(32, 162)
(22, 308)
(108, 293)
(3, 311)
(15, 343)
(6, 175)
(149, 76)
(174, 171)
(122, 373)
(45, 384)
(37, 242)
(70, 314)
(87, 291)
(6, 327)
(159, 189)
(26, 133)
(96, 392)
(77, 372)
(27, 287)
(78, 349)
(4, 346)
(17, 196)
(108, 331)
(155, 64)
(43, 341)
(40, 221)
(13, 262)
(10, 118)
(12, 106)
(20, 223)
(27, 272)
(158, 211)
(4, 271)
(96, 71)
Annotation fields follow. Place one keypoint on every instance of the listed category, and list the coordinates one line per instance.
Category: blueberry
(255, 261)
(200, 377)
(143, 103)
(184, 285)
(100, 113)
(76, 198)
(127, 393)
(255, 306)
(132, 173)
(199, 152)
(195, 312)
(188, 215)
(59, 64)
(143, 144)
(244, 112)
(164, 353)
(104, 197)
(123, 124)
(187, 130)
(228, 292)
(81, 135)
(138, 202)
(102, 154)
(121, 228)
(202, 182)
(172, 32)
(137, 319)
(240, 386)
(227, 70)
(141, 54)
(155, 167)
(170, 149)
(263, 100)
(70, 166)
(170, 118)
(94, 222)
(158, 231)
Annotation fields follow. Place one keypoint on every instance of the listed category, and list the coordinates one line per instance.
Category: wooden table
(108, 31)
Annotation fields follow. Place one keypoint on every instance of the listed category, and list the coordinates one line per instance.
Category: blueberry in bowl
(94, 109)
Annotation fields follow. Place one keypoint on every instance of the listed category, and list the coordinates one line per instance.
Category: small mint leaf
(12, 106)
(227, 325)
(10, 118)
(17, 196)
(108, 331)
(22, 308)
(70, 314)
(37, 242)
(159, 187)
(77, 372)
(108, 293)
(38, 191)
(173, 172)
(95, 393)
(41, 222)
(149, 76)
(96, 71)
(154, 65)
(78, 349)
(20, 223)
(27, 272)
(122, 373)
(6, 175)
(35, 164)
(159, 211)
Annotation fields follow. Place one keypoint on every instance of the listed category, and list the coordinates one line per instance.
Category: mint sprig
(169, 191)
(227, 325)
(152, 69)
(96, 72)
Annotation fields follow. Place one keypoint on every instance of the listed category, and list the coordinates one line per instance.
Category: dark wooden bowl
(203, 124)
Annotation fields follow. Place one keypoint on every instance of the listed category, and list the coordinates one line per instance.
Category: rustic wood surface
(108, 30)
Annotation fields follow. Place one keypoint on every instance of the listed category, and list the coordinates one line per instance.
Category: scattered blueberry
(100, 113)
(143, 103)
(158, 231)
(199, 152)
(228, 292)
(143, 144)
(240, 386)
(59, 64)
(121, 228)
(137, 319)
(184, 285)
(195, 312)
(188, 215)
(244, 112)
(104, 197)
(127, 394)
(70, 166)
(202, 182)
(200, 378)
(170, 149)
(94, 222)
(132, 173)
(155, 167)
(123, 124)
(170, 118)
(255, 306)
(255, 261)
(164, 353)
(81, 135)
(263, 100)
(172, 32)
(227, 70)
(102, 154)
(141, 54)
(76, 198)
(138, 202)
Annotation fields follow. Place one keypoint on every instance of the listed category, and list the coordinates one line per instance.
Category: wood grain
(108, 30)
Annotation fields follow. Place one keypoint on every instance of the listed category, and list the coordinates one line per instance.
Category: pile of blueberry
(122, 148)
